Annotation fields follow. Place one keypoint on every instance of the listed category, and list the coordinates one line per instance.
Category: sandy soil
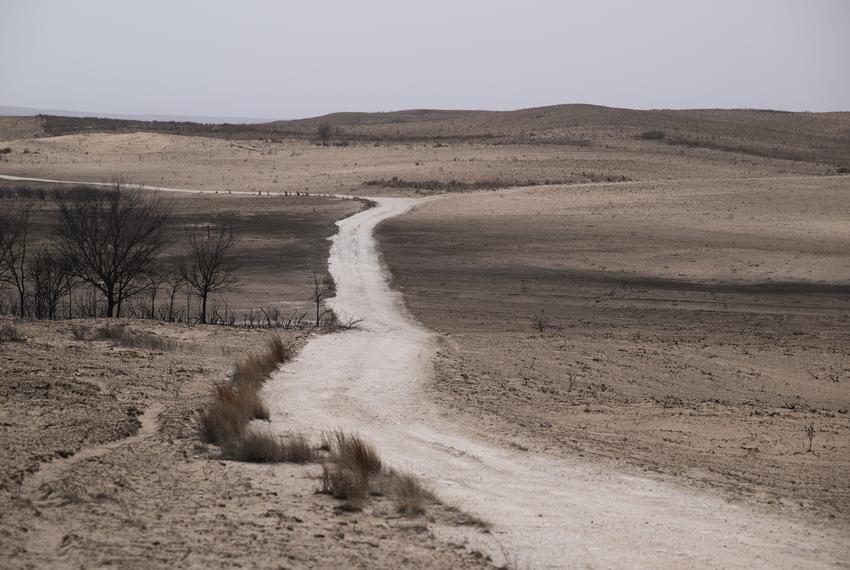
(101, 466)
(695, 328)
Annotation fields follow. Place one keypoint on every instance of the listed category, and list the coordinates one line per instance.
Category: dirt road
(545, 512)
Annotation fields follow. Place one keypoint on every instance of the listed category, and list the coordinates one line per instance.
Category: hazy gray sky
(295, 59)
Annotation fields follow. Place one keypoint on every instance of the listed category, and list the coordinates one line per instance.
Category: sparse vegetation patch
(653, 135)
(233, 404)
(458, 185)
(355, 471)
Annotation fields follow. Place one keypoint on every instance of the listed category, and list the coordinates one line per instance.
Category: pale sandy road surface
(548, 512)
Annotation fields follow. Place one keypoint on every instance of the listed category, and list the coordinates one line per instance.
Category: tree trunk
(110, 304)
(171, 306)
(153, 305)
(204, 307)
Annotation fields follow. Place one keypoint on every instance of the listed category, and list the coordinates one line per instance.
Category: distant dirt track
(157, 188)
(546, 512)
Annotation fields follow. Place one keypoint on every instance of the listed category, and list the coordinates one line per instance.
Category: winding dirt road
(547, 512)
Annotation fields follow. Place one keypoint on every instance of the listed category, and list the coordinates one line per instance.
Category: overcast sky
(295, 59)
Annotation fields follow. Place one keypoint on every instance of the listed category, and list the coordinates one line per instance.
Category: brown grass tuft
(355, 454)
(225, 416)
(342, 483)
(356, 470)
(277, 350)
(265, 447)
(233, 405)
(255, 369)
(409, 495)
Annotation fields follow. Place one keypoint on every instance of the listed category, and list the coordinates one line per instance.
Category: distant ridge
(815, 137)
(11, 111)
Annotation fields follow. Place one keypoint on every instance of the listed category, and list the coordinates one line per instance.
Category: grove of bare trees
(14, 231)
(112, 241)
(114, 252)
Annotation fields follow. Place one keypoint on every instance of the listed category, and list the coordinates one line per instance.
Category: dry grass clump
(410, 496)
(355, 454)
(120, 335)
(226, 415)
(232, 405)
(254, 369)
(10, 333)
(356, 471)
(265, 447)
(355, 462)
(340, 483)
(405, 489)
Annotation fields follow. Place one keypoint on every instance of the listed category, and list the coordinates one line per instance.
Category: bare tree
(324, 131)
(112, 239)
(210, 267)
(48, 276)
(14, 233)
(175, 283)
(156, 277)
(323, 287)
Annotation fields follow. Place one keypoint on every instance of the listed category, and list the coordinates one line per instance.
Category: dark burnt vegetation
(117, 251)
(437, 186)
(458, 185)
